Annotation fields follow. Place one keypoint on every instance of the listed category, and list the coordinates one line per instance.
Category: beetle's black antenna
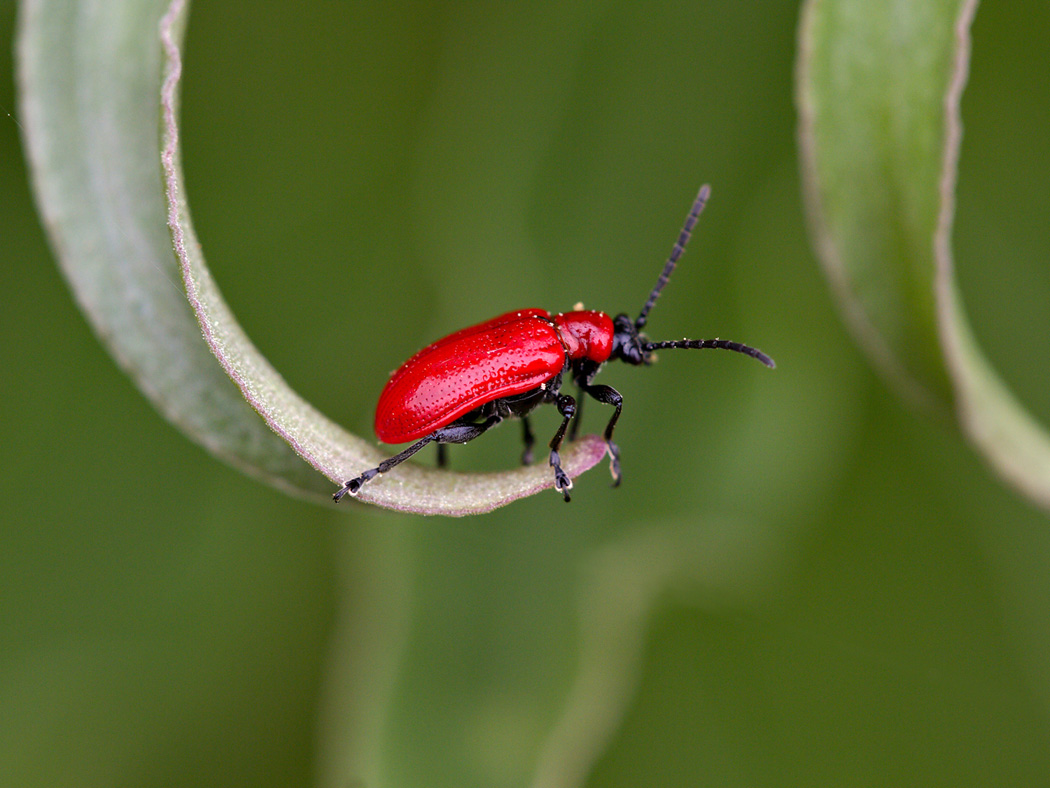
(672, 261)
(721, 344)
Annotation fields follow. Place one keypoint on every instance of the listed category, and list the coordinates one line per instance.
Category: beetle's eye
(639, 350)
(634, 353)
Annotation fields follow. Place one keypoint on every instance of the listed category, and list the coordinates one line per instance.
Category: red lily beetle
(461, 386)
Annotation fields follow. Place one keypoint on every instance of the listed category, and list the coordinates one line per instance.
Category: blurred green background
(800, 581)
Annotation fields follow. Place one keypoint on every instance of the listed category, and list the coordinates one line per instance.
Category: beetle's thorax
(586, 334)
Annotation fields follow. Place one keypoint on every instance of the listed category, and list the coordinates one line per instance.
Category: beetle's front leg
(567, 409)
(609, 396)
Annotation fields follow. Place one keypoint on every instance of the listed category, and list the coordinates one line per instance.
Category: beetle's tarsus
(564, 488)
(351, 488)
(614, 462)
(562, 483)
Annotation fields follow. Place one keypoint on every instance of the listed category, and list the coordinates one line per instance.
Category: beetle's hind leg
(456, 432)
(353, 487)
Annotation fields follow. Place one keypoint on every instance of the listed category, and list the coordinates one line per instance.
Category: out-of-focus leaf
(878, 93)
(91, 75)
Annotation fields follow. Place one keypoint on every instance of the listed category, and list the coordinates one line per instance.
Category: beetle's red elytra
(468, 382)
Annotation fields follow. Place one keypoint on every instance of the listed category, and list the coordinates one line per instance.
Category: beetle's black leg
(582, 373)
(465, 432)
(567, 409)
(455, 432)
(442, 452)
(529, 439)
(353, 487)
(609, 396)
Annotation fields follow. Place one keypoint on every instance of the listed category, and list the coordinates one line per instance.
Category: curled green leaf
(91, 75)
(878, 91)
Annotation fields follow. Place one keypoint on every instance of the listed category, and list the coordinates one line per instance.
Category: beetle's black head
(629, 345)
